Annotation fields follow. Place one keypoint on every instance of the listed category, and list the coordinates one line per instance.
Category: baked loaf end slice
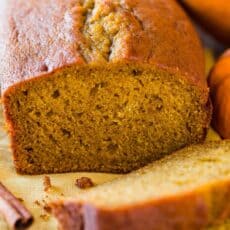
(189, 189)
(100, 85)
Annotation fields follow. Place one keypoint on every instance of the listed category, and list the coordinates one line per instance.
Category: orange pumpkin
(214, 15)
(219, 82)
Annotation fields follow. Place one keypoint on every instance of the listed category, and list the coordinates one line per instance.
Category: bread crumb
(37, 203)
(43, 204)
(47, 208)
(46, 183)
(45, 217)
(84, 182)
(20, 199)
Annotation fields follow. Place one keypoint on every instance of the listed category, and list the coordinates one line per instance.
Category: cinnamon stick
(16, 215)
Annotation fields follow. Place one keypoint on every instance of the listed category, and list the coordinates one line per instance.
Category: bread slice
(189, 189)
(100, 85)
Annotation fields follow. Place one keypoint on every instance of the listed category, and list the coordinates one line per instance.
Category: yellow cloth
(31, 189)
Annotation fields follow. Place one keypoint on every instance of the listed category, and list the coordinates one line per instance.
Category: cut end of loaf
(107, 119)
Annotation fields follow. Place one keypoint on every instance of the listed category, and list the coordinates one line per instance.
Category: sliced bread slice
(189, 189)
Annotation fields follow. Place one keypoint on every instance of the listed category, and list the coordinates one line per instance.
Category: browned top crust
(41, 36)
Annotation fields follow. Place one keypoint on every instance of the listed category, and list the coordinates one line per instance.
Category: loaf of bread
(188, 190)
(100, 85)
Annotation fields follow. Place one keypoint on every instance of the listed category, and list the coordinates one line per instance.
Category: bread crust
(191, 210)
(47, 35)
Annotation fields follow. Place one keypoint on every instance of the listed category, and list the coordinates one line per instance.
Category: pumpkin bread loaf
(100, 85)
(187, 190)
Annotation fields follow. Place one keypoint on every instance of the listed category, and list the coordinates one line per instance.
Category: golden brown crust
(46, 35)
(69, 216)
(192, 210)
